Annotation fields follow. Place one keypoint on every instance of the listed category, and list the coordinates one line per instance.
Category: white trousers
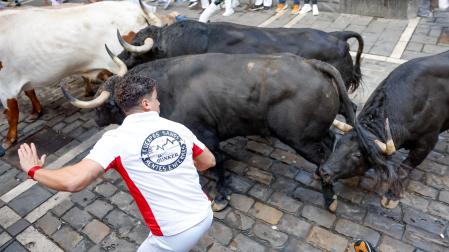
(266, 3)
(181, 242)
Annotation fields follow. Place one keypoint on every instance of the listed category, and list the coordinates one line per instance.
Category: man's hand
(29, 158)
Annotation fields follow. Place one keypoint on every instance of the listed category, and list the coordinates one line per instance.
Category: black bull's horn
(103, 97)
(341, 126)
(122, 66)
(387, 148)
(147, 45)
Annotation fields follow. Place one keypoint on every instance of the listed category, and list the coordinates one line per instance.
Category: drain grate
(46, 140)
(444, 36)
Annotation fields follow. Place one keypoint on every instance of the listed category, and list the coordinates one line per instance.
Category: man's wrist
(33, 170)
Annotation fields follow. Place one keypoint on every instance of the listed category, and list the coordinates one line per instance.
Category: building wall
(400, 9)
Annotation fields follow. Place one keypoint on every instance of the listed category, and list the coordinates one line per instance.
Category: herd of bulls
(223, 80)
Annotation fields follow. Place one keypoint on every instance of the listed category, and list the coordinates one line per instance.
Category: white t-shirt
(155, 158)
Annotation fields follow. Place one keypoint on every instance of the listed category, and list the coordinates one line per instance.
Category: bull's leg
(317, 153)
(327, 144)
(330, 198)
(222, 198)
(210, 139)
(37, 108)
(415, 157)
(12, 114)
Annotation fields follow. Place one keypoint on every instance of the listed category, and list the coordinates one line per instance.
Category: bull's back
(417, 95)
(236, 92)
(307, 43)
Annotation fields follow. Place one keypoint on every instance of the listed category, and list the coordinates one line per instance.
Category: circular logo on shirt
(163, 151)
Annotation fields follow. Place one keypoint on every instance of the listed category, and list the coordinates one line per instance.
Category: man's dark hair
(130, 90)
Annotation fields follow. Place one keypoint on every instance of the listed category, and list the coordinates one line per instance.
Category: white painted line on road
(294, 21)
(61, 161)
(16, 191)
(272, 18)
(405, 38)
(394, 60)
(40, 211)
(380, 58)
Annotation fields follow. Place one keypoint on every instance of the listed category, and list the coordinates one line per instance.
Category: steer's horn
(104, 95)
(341, 125)
(122, 67)
(149, 16)
(388, 148)
(147, 45)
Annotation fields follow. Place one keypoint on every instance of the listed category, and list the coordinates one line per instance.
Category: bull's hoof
(389, 203)
(333, 205)
(7, 144)
(32, 117)
(220, 204)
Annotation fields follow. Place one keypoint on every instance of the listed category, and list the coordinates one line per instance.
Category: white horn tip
(388, 203)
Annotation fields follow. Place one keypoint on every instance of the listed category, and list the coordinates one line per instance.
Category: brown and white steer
(40, 46)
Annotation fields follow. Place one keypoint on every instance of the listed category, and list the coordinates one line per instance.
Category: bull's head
(107, 110)
(142, 48)
(345, 161)
(352, 155)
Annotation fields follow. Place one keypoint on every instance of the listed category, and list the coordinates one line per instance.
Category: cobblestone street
(276, 203)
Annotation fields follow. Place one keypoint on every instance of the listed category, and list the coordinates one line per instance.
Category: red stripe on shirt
(142, 204)
(196, 151)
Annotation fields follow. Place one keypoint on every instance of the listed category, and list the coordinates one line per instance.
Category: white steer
(40, 46)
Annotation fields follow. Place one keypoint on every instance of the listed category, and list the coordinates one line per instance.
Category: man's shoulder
(173, 124)
(111, 134)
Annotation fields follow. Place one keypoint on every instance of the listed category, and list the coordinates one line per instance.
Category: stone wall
(400, 9)
(380, 8)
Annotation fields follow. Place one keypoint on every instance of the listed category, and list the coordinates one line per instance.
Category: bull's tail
(345, 35)
(348, 107)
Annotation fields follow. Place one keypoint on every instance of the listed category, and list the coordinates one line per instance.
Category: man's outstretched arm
(71, 178)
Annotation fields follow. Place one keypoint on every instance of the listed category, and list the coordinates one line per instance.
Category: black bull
(192, 37)
(415, 99)
(219, 96)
